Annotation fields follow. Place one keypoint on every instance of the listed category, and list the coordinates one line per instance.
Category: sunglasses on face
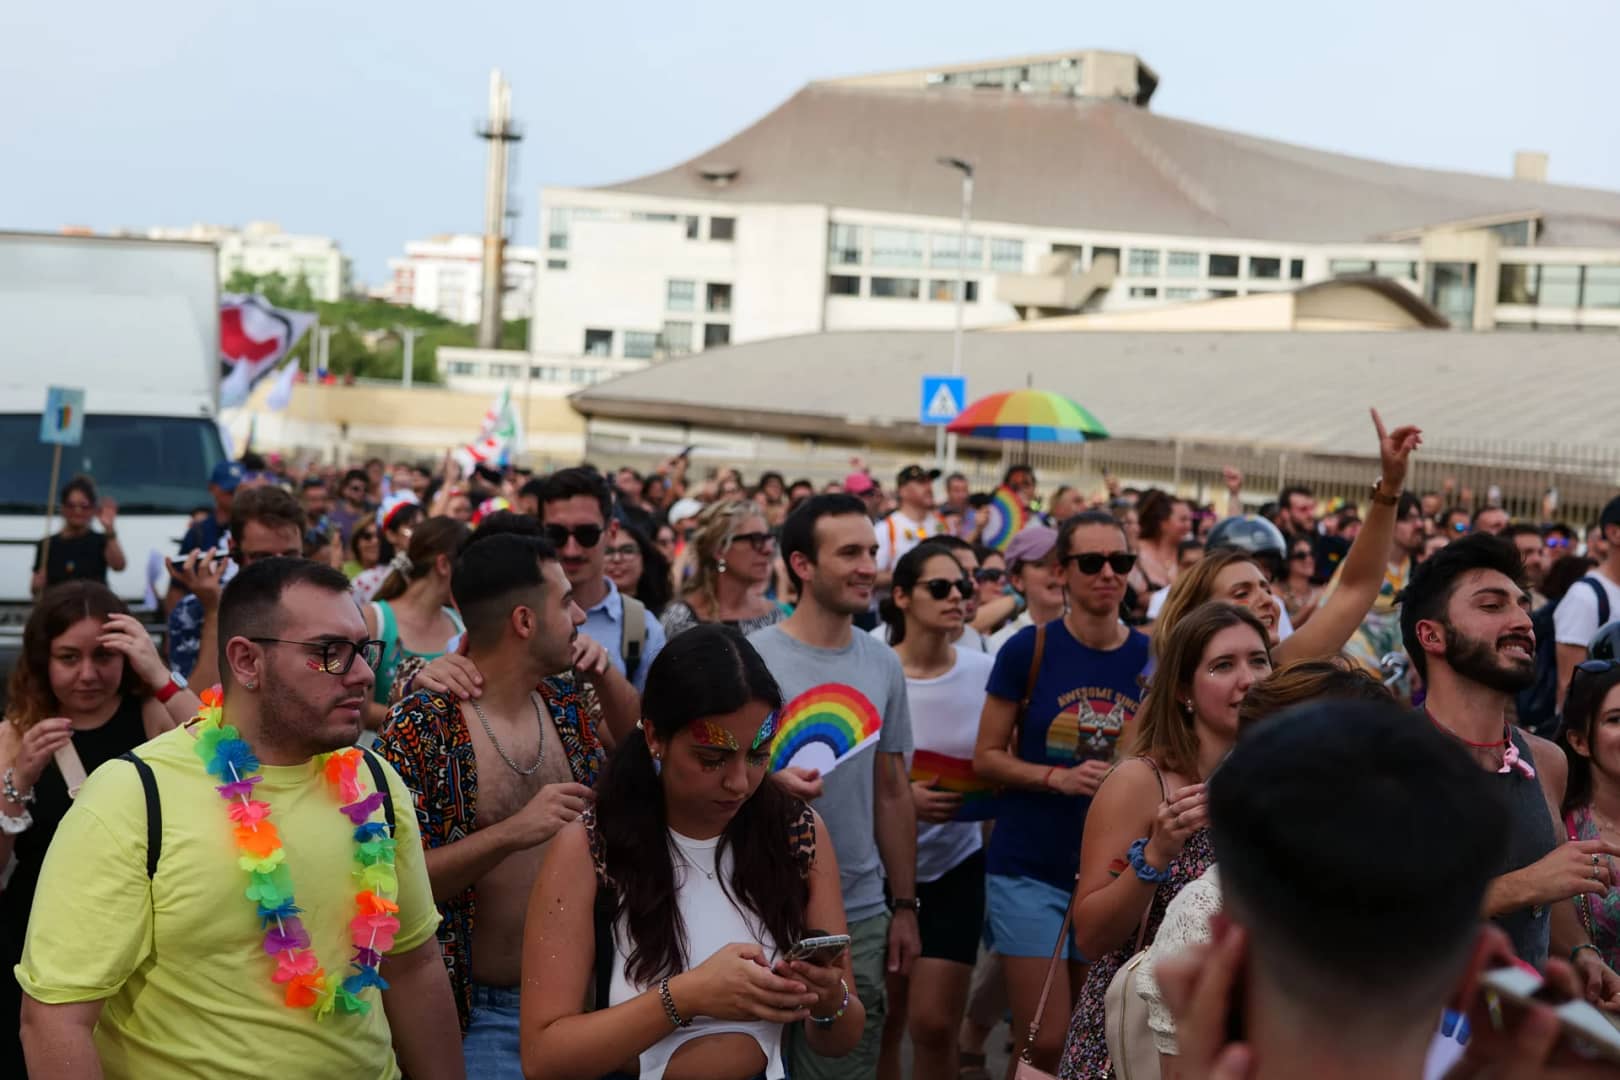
(1459, 526)
(1557, 543)
(1299, 556)
(618, 554)
(1121, 562)
(587, 536)
(940, 588)
(334, 657)
(761, 542)
(989, 575)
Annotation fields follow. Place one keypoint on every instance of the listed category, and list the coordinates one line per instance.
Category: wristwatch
(911, 904)
(1380, 496)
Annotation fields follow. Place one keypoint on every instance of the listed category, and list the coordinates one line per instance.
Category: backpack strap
(1029, 685)
(379, 780)
(154, 812)
(632, 634)
(1602, 599)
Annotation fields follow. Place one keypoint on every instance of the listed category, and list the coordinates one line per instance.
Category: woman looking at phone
(945, 686)
(695, 878)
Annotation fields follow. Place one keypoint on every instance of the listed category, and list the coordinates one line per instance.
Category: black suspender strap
(379, 780)
(154, 812)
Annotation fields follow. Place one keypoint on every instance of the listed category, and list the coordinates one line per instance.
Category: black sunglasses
(336, 656)
(1121, 562)
(989, 574)
(587, 535)
(1299, 556)
(759, 541)
(939, 588)
(1592, 667)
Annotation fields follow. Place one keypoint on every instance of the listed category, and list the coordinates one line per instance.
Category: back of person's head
(494, 575)
(1429, 590)
(1583, 714)
(1153, 509)
(581, 480)
(433, 539)
(502, 523)
(269, 506)
(799, 530)
(907, 573)
(1564, 573)
(29, 697)
(251, 604)
(1163, 730)
(1334, 678)
(708, 671)
(1355, 842)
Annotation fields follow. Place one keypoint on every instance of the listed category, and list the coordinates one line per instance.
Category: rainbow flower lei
(374, 925)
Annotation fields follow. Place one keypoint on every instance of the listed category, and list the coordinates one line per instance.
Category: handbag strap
(1063, 932)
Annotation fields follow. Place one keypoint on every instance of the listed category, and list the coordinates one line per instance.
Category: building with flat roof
(832, 212)
(444, 274)
(263, 247)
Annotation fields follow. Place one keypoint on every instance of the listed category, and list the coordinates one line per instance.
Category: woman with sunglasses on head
(1590, 740)
(79, 553)
(397, 517)
(365, 549)
(1060, 696)
(733, 555)
(695, 878)
(89, 680)
(638, 568)
(945, 683)
(413, 614)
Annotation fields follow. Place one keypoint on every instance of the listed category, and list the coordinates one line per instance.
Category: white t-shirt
(1005, 634)
(970, 641)
(1575, 620)
(898, 534)
(945, 725)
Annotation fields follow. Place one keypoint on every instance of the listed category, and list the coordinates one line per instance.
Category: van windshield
(150, 464)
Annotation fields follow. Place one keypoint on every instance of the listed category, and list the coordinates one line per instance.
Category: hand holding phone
(822, 949)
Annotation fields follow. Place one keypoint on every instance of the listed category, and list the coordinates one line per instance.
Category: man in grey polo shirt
(853, 684)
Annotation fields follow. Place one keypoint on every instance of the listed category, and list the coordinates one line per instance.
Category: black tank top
(122, 733)
(1530, 836)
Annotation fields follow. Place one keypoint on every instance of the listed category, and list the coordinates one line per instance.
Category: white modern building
(834, 212)
(442, 274)
(262, 247)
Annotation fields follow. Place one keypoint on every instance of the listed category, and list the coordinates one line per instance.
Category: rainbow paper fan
(824, 726)
(956, 775)
(1007, 519)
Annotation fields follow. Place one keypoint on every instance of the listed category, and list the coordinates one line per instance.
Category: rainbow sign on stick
(1007, 519)
(824, 726)
(955, 775)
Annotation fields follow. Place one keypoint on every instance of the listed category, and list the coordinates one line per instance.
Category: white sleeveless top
(712, 921)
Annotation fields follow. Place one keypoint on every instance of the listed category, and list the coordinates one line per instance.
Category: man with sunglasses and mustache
(576, 509)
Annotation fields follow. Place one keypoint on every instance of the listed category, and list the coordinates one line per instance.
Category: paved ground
(995, 1053)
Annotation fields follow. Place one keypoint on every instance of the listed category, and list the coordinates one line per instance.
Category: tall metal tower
(498, 133)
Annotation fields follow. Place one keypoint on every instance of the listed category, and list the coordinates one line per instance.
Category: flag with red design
(254, 337)
(498, 436)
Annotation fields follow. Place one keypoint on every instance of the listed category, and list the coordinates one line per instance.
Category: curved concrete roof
(1064, 162)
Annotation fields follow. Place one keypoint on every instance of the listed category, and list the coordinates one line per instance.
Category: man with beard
(833, 678)
(1468, 631)
(494, 778)
(167, 940)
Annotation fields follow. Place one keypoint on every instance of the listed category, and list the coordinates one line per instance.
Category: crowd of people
(600, 774)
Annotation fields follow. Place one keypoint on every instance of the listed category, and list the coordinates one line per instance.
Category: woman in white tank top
(694, 875)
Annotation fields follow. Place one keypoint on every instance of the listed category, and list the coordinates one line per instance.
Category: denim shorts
(1024, 916)
(491, 1046)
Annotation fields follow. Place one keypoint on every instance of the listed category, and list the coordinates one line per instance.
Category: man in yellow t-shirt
(169, 975)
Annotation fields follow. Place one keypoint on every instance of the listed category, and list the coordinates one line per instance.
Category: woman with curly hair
(733, 553)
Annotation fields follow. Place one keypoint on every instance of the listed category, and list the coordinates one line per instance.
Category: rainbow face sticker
(767, 732)
(710, 734)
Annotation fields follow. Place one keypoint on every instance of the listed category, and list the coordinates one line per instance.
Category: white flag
(281, 393)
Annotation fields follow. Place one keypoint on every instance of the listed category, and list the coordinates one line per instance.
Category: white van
(135, 324)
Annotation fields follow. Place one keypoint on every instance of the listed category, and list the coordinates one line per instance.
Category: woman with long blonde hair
(732, 554)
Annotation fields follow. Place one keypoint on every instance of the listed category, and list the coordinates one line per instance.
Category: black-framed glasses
(1299, 556)
(623, 551)
(761, 542)
(1121, 562)
(990, 575)
(334, 656)
(939, 588)
(588, 536)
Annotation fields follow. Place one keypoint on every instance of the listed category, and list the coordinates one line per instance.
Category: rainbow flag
(955, 775)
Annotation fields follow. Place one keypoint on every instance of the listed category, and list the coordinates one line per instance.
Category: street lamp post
(407, 338)
(945, 445)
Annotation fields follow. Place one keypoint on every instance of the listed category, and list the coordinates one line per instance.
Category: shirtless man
(495, 778)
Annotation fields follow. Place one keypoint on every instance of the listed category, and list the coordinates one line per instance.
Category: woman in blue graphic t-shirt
(1083, 690)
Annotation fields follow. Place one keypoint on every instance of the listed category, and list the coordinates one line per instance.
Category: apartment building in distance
(442, 274)
(263, 247)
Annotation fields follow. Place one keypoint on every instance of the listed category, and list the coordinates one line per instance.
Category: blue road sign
(943, 398)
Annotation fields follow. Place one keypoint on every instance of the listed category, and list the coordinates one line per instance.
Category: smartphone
(686, 453)
(1587, 1029)
(823, 949)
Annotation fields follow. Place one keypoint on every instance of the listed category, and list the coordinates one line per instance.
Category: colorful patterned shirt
(426, 741)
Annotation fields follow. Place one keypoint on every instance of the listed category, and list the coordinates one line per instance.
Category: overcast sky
(355, 120)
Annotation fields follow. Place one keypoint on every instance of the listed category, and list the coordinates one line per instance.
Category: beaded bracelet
(668, 1000)
(1139, 863)
(825, 1022)
(21, 798)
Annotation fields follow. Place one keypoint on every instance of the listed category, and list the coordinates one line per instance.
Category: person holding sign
(945, 689)
(842, 741)
(79, 553)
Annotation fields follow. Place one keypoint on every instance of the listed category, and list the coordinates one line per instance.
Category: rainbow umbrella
(1028, 416)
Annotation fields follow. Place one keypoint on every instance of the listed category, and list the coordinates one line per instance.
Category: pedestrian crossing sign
(943, 398)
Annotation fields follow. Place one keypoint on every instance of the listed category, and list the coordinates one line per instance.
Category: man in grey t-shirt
(841, 681)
